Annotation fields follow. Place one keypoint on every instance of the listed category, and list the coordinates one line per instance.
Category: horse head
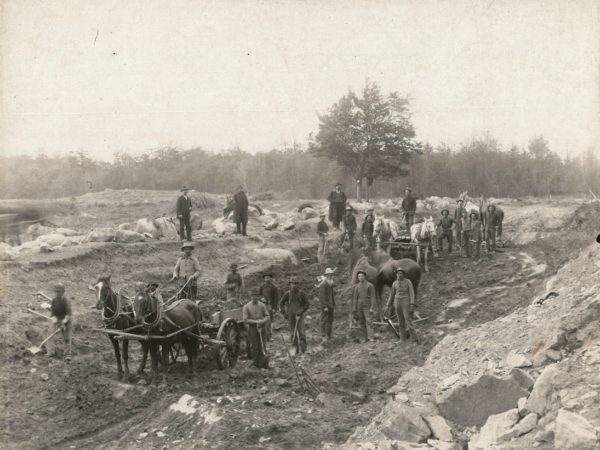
(105, 297)
(145, 305)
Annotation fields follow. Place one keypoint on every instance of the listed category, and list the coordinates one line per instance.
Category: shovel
(36, 349)
(263, 360)
(38, 314)
(293, 349)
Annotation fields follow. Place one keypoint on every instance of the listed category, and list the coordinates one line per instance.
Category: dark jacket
(184, 206)
(322, 228)
(271, 294)
(60, 307)
(293, 302)
(240, 207)
(446, 223)
(367, 226)
(409, 203)
(458, 213)
(326, 295)
(350, 223)
(337, 204)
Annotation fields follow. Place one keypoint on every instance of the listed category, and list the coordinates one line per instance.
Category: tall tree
(369, 136)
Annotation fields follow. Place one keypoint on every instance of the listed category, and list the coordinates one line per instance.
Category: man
(363, 296)
(337, 203)
(409, 207)
(447, 226)
(60, 312)
(402, 299)
(293, 305)
(458, 215)
(233, 283)
(322, 231)
(465, 225)
(270, 294)
(327, 302)
(368, 227)
(256, 318)
(349, 226)
(491, 222)
(476, 232)
(186, 272)
(240, 210)
(184, 209)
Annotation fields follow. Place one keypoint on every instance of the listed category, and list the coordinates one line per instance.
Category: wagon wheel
(227, 354)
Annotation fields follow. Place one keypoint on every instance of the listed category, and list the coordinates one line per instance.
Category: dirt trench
(82, 405)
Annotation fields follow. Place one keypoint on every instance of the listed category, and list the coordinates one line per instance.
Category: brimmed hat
(492, 206)
(473, 213)
(187, 244)
(329, 271)
(268, 274)
(408, 189)
(460, 200)
(338, 184)
(400, 269)
(361, 271)
(233, 266)
(59, 287)
(322, 214)
(184, 188)
(348, 208)
(370, 210)
(445, 210)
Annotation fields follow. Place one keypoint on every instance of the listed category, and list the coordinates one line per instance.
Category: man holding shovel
(60, 313)
(256, 317)
(187, 271)
(293, 305)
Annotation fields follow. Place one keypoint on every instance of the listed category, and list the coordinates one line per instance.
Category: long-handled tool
(293, 349)
(293, 364)
(263, 361)
(389, 322)
(39, 314)
(36, 349)
(41, 294)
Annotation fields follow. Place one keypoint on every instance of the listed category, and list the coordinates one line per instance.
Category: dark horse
(183, 316)
(118, 314)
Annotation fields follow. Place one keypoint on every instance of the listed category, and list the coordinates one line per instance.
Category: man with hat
(474, 235)
(240, 210)
(337, 203)
(233, 283)
(368, 227)
(186, 272)
(293, 305)
(256, 318)
(409, 208)
(363, 296)
(60, 312)
(491, 221)
(184, 213)
(447, 226)
(322, 231)
(327, 302)
(458, 215)
(349, 226)
(402, 299)
(270, 293)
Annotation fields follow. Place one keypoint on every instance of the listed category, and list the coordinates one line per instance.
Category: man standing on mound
(184, 213)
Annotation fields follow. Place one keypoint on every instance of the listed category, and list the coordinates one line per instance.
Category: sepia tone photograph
(300, 224)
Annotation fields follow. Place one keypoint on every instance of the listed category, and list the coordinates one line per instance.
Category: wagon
(402, 247)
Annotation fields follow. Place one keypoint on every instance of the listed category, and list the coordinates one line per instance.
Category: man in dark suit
(184, 210)
(240, 210)
(337, 205)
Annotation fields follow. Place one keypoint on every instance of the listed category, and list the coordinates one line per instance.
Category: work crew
(402, 299)
(322, 231)
(367, 229)
(60, 312)
(184, 213)
(240, 210)
(446, 225)
(256, 317)
(490, 228)
(465, 226)
(349, 226)
(293, 305)
(186, 272)
(327, 302)
(270, 294)
(475, 236)
(337, 203)
(233, 283)
(409, 207)
(458, 214)
(363, 296)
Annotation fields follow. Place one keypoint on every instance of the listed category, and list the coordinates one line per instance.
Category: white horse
(384, 230)
(423, 234)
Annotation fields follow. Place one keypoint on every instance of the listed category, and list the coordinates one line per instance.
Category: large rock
(288, 225)
(66, 232)
(439, 427)
(166, 227)
(36, 230)
(543, 393)
(495, 429)
(196, 221)
(574, 432)
(53, 240)
(514, 359)
(275, 254)
(403, 423)
(526, 425)
(472, 405)
(145, 225)
(272, 224)
(126, 226)
(308, 213)
(7, 253)
(126, 236)
(221, 226)
(523, 378)
(100, 235)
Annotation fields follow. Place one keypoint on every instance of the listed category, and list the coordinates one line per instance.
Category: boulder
(330, 401)
(126, 236)
(53, 240)
(46, 248)
(442, 445)
(66, 231)
(126, 226)
(522, 407)
(439, 427)
(496, 428)
(36, 230)
(404, 423)
(288, 225)
(514, 359)
(7, 253)
(308, 213)
(146, 226)
(523, 378)
(166, 227)
(275, 255)
(542, 395)
(526, 425)
(196, 221)
(71, 241)
(473, 404)
(100, 235)
(272, 224)
(574, 432)
(221, 226)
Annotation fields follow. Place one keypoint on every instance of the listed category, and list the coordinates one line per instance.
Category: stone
(523, 378)
(514, 359)
(403, 423)
(441, 445)
(541, 396)
(573, 432)
(447, 382)
(127, 236)
(554, 355)
(330, 401)
(472, 405)
(439, 427)
(526, 425)
(44, 377)
(544, 436)
(522, 407)
(496, 428)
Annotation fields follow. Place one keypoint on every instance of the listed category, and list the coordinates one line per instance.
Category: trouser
(490, 239)
(467, 245)
(326, 322)
(299, 340)
(409, 219)
(448, 235)
(363, 318)
(459, 235)
(233, 294)
(499, 231)
(322, 250)
(184, 222)
(370, 243)
(350, 236)
(241, 228)
(253, 341)
(337, 216)
(402, 309)
(67, 334)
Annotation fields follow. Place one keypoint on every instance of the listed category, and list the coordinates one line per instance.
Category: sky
(108, 76)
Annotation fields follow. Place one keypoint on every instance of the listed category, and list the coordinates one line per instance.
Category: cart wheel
(174, 352)
(227, 354)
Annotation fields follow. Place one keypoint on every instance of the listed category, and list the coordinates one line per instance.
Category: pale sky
(106, 76)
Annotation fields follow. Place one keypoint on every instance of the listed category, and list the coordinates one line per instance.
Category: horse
(423, 234)
(117, 314)
(183, 314)
(384, 230)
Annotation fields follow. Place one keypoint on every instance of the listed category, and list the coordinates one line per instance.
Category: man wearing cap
(367, 229)
(240, 210)
(447, 226)
(233, 283)
(402, 299)
(458, 215)
(337, 203)
(409, 207)
(60, 312)
(184, 212)
(327, 302)
(322, 231)
(256, 318)
(363, 296)
(293, 305)
(270, 293)
(186, 272)
(349, 226)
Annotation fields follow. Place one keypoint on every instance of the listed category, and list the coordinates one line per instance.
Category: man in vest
(293, 305)
(402, 299)
(184, 212)
(187, 271)
(363, 296)
(447, 226)
(409, 207)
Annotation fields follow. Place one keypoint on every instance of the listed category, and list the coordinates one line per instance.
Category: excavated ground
(82, 405)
